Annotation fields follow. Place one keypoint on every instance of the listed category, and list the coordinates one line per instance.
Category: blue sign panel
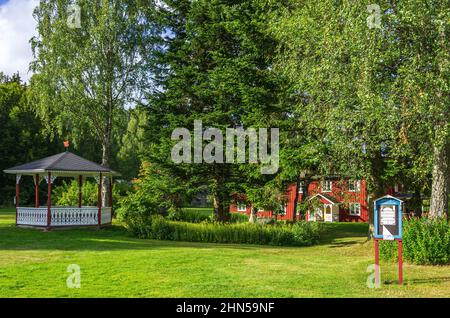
(388, 218)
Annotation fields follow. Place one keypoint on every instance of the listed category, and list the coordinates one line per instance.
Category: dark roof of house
(62, 162)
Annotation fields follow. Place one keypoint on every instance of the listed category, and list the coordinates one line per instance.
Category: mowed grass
(202, 211)
(34, 263)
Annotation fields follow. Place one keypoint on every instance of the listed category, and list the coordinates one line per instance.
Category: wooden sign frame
(396, 228)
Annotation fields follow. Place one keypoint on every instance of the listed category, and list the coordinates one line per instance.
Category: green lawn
(203, 211)
(34, 264)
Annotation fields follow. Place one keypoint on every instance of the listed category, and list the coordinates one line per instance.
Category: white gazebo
(65, 164)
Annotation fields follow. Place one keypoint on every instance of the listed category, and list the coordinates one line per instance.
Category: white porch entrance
(327, 211)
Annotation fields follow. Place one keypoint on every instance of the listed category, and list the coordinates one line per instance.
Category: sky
(17, 27)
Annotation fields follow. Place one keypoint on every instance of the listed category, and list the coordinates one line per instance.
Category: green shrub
(135, 211)
(66, 194)
(299, 234)
(198, 216)
(265, 220)
(388, 250)
(239, 217)
(160, 228)
(191, 216)
(425, 241)
(304, 229)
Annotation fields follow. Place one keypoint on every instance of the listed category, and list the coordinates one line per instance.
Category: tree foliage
(359, 91)
(215, 68)
(85, 76)
(22, 139)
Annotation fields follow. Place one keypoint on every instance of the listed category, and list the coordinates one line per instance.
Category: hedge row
(193, 216)
(298, 234)
(425, 241)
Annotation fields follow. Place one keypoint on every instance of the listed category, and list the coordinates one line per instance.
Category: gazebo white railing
(31, 216)
(63, 216)
(68, 165)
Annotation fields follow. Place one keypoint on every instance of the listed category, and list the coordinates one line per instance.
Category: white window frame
(324, 188)
(356, 185)
(396, 187)
(239, 207)
(351, 209)
(300, 187)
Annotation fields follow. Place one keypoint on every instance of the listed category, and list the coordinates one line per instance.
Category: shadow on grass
(346, 233)
(116, 237)
(343, 244)
(429, 280)
(107, 239)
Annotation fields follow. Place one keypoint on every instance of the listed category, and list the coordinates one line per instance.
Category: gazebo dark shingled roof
(62, 162)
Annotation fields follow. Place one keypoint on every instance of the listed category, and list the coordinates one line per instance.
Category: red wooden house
(337, 200)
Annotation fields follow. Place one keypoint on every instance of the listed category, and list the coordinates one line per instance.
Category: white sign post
(388, 226)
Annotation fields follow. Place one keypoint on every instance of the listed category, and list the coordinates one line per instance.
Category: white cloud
(17, 27)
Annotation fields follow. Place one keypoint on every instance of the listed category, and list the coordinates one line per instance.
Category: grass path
(34, 264)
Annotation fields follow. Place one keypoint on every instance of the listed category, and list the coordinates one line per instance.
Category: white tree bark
(440, 183)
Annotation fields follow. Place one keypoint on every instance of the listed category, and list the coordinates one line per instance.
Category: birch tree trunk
(252, 218)
(440, 183)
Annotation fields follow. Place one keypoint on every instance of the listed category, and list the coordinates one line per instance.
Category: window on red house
(327, 186)
(242, 207)
(353, 185)
(355, 209)
(283, 209)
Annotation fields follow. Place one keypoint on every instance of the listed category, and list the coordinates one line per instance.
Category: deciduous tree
(91, 61)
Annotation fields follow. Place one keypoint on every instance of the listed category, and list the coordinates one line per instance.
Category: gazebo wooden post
(111, 196)
(49, 200)
(99, 201)
(80, 193)
(36, 190)
(18, 176)
(111, 193)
